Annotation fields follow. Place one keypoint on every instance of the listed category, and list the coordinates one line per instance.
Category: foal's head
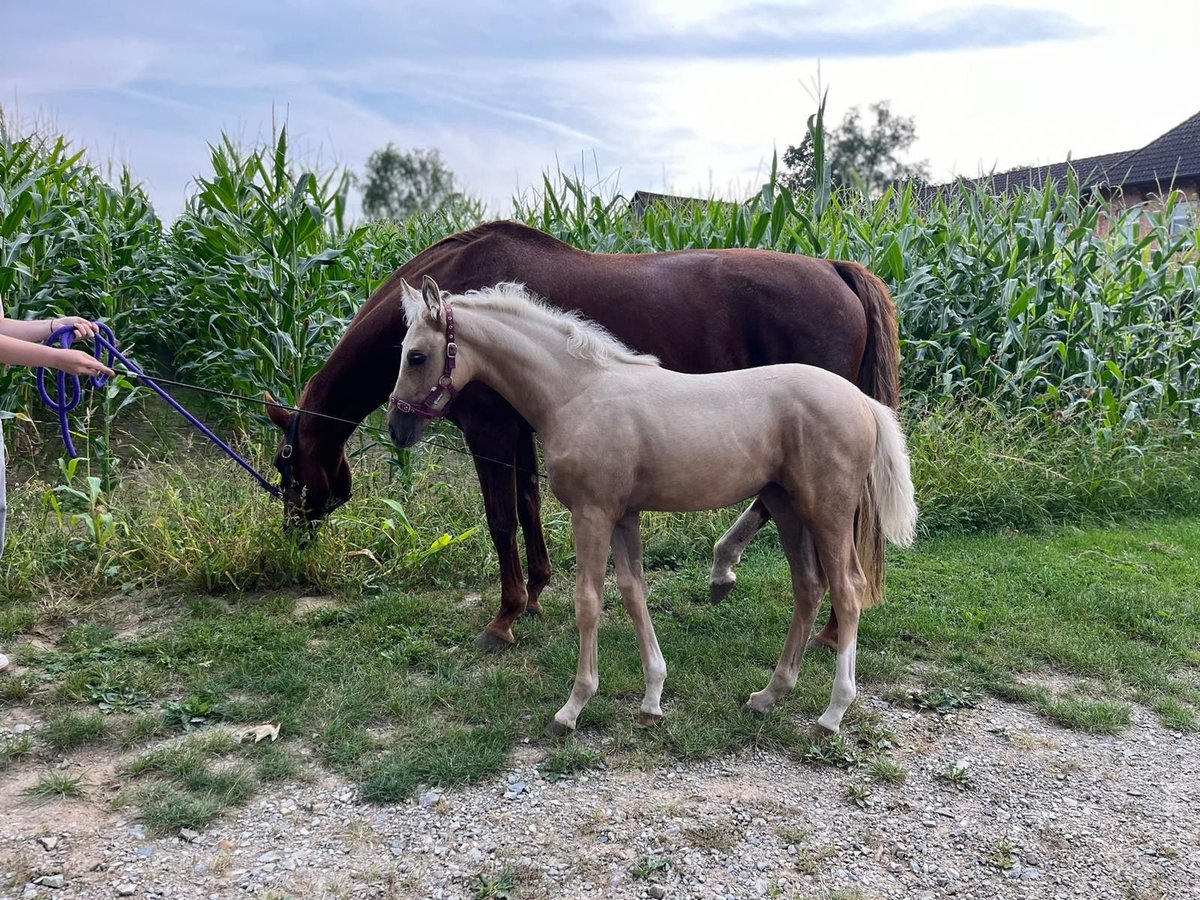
(424, 358)
(315, 481)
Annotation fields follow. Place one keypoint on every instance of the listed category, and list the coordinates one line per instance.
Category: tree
(398, 184)
(861, 157)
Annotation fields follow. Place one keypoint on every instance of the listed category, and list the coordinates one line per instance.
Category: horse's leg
(627, 560)
(808, 589)
(494, 444)
(847, 586)
(827, 637)
(529, 512)
(729, 549)
(593, 535)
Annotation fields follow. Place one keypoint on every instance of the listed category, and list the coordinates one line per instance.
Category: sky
(683, 96)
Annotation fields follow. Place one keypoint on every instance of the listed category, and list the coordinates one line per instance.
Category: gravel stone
(1050, 814)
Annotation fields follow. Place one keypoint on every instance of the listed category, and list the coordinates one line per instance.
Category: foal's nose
(400, 431)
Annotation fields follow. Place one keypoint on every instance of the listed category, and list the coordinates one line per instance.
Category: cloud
(669, 93)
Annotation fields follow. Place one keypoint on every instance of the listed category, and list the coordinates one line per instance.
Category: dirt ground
(1036, 812)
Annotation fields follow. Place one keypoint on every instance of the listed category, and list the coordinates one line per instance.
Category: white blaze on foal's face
(423, 353)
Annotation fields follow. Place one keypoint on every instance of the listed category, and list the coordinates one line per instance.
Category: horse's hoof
(558, 729)
(718, 591)
(532, 610)
(749, 710)
(819, 732)
(822, 643)
(489, 642)
(647, 720)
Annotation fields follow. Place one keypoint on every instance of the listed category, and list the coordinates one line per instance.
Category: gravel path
(1047, 813)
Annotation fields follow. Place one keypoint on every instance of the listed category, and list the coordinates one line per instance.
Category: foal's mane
(585, 338)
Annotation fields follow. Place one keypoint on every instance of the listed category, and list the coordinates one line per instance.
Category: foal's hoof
(647, 720)
(819, 732)
(490, 642)
(749, 710)
(533, 609)
(558, 729)
(718, 591)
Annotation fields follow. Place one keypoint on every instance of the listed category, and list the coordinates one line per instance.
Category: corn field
(1048, 301)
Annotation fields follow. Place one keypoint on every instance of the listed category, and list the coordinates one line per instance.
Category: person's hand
(76, 362)
(83, 327)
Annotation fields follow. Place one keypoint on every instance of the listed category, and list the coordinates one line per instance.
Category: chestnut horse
(623, 435)
(696, 310)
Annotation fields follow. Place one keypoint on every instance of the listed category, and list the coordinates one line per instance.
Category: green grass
(887, 771)
(15, 747)
(72, 729)
(394, 694)
(57, 786)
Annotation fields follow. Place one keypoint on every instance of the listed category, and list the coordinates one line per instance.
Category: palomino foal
(622, 435)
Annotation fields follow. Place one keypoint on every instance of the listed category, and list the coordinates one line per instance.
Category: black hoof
(819, 732)
(558, 729)
(647, 720)
(491, 643)
(718, 592)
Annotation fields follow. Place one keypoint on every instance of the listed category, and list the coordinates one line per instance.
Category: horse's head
(424, 386)
(315, 482)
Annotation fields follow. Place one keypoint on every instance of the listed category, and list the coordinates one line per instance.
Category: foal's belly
(676, 460)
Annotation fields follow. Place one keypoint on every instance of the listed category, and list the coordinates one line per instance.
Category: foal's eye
(416, 359)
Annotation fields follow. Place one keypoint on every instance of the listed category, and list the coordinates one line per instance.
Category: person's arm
(40, 329)
(17, 352)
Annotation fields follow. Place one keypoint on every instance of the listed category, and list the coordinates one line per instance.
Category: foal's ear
(432, 295)
(410, 299)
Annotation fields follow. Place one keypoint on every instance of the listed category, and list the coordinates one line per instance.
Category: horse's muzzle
(405, 428)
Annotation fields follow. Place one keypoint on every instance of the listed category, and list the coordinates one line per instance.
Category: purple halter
(434, 406)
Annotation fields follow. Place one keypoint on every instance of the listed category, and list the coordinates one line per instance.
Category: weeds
(647, 866)
(57, 786)
(564, 761)
(859, 793)
(73, 729)
(887, 771)
(958, 775)
(495, 887)
(15, 747)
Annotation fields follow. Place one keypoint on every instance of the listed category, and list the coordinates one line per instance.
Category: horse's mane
(585, 338)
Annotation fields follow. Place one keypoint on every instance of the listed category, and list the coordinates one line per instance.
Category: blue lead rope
(104, 347)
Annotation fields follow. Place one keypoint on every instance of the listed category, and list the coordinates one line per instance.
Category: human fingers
(83, 327)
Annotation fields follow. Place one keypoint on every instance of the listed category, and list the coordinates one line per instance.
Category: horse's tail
(878, 378)
(879, 371)
(890, 483)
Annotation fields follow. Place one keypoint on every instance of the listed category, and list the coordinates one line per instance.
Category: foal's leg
(729, 549)
(593, 534)
(808, 588)
(529, 513)
(627, 559)
(847, 586)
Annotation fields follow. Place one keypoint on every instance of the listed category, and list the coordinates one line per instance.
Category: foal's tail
(890, 483)
(887, 509)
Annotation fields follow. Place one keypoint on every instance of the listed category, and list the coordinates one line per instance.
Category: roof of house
(1174, 155)
(1171, 157)
(1089, 170)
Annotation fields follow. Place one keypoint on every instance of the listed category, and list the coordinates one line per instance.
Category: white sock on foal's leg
(844, 689)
